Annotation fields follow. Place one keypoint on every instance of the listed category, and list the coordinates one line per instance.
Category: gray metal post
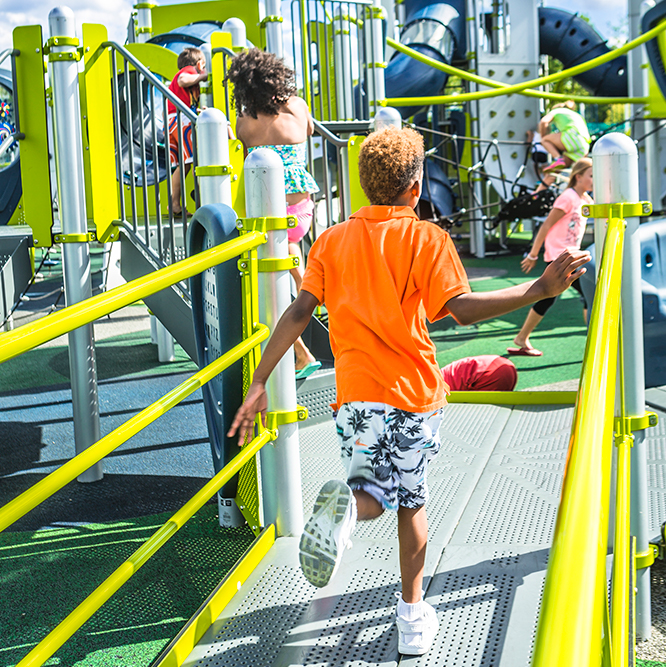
(280, 462)
(73, 219)
(615, 163)
(274, 41)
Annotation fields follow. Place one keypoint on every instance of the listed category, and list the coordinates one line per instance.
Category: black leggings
(541, 307)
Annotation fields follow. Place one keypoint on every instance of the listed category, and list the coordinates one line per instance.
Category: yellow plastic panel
(220, 40)
(159, 60)
(35, 172)
(98, 135)
(168, 17)
(324, 101)
(656, 107)
(357, 196)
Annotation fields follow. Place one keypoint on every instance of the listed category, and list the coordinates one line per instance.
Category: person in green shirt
(570, 142)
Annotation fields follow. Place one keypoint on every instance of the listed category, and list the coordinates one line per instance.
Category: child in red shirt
(381, 274)
(185, 85)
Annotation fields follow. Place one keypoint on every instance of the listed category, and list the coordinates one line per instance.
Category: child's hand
(527, 264)
(255, 401)
(563, 271)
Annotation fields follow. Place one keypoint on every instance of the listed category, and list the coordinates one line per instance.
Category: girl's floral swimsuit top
(296, 176)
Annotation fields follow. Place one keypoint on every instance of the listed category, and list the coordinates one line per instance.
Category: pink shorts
(303, 213)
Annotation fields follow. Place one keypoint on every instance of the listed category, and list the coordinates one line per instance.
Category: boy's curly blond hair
(389, 162)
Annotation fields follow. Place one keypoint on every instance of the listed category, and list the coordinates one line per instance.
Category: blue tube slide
(438, 31)
(573, 41)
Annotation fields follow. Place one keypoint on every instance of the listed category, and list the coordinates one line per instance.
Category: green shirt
(565, 119)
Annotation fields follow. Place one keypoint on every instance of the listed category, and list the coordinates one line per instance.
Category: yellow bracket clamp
(277, 264)
(639, 423)
(145, 5)
(278, 417)
(269, 224)
(621, 211)
(60, 41)
(143, 31)
(378, 65)
(75, 238)
(270, 19)
(375, 12)
(214, 170)
(65, 55)
(646, 558)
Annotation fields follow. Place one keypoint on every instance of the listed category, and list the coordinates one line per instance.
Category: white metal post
(274, 28)
(236, 28)
(144, 21)
(280, 462)
(75, 256)
(387, 117)
(375, 55)
(615, 165)
(205, 88)
(344, 85)
(213, 151)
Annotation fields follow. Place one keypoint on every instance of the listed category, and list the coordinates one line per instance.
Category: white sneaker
(327, 532)
(415, 636)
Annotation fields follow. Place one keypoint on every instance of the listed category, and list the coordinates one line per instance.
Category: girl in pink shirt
(563, 229)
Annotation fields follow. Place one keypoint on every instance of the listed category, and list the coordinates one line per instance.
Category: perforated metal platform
(494, 490)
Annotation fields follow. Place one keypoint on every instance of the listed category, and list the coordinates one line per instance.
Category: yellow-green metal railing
(573, 622)
(475, 78)
(502, 89)
(31, 335)
(64, 630)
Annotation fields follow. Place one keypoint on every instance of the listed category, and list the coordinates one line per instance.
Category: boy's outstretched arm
(476, 306)
(289, 327)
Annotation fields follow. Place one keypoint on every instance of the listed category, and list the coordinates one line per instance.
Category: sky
(606, 15)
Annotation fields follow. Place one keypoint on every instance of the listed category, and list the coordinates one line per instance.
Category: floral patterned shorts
(385, 451)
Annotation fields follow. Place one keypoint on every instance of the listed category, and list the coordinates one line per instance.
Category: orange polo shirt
(381, 274)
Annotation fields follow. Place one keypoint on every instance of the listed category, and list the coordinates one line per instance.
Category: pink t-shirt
(568, 231)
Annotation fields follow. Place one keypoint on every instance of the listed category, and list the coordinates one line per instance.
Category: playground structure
(120, 194)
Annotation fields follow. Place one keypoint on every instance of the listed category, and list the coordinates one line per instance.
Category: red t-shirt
(190, 96)
(486, 372)
(381, 274)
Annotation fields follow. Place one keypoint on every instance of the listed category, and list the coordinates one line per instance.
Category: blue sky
(605, 14)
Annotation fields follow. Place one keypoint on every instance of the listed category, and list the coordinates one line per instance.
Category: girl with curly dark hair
(271, 115)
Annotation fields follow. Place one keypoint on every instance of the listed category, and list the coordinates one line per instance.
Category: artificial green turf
(44, 575)
(561, 335)
(126, 354)
(649, 663)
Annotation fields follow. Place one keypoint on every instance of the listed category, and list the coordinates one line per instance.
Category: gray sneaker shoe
(327, 532)
(415, 637)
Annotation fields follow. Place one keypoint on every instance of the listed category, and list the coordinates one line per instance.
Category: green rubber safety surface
(649, 663)
(45, 574)
(560, 336)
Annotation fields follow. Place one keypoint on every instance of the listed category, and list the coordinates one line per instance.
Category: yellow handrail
(45, 488)
(31, 335)
(464, 74)
(622, 561)
(519, 87)
(64, 630)
(574, 600)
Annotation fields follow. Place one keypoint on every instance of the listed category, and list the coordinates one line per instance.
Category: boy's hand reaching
(559, 274)
(255, 402)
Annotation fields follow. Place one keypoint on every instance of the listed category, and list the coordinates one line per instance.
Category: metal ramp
(494, 492)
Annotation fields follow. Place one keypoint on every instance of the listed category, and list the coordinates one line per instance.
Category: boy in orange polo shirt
(381, 274)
